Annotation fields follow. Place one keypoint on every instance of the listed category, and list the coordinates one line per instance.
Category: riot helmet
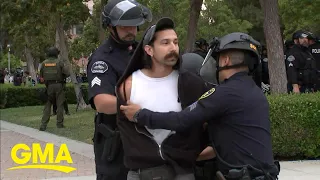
(192, 62)
(53, 52)
(124, 13)
(236, 41)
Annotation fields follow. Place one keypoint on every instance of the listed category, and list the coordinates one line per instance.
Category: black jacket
(180, 149)
(300, 66)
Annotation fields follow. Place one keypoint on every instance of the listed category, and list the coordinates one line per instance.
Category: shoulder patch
(50, 64)
(208, 93)
(291, 58)
(99, 67)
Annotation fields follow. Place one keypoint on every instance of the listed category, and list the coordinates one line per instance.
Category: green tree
(300, 14)
(14, 61)
(218, 20)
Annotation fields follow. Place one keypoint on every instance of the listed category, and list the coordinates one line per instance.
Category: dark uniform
(315, 51)
(106, 65)
(237, 113)
(53, 72)
(65, 103)
(301, 68)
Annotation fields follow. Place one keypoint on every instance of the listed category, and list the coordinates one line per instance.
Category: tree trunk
(102, 34)
(195, 8)
(61, 44)
(276, 63)
(30, 60)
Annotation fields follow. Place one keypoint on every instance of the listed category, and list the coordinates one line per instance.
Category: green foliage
(295, 125)
(218, 20)
(19, 96)
(300, 14)
(85, 44)
(14, 61)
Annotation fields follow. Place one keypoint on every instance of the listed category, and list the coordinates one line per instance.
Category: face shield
(129, 13)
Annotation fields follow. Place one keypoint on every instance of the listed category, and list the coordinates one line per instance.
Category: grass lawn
(79, 125)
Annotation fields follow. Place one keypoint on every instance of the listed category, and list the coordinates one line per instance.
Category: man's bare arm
(206, 154)
(105, 103)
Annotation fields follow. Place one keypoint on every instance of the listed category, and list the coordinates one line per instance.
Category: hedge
(295, 125)
(18, 96)
(295, 119)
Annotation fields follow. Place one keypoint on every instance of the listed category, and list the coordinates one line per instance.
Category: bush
(295, 125)
(18, 96)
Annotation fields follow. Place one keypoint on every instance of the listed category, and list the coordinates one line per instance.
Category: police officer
(53, 71)
(314, 47)
(237, 113)
(300, 65)
(201, 47)
(106, 66)
(265, 85)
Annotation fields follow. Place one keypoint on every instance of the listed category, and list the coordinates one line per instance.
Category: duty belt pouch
(239, 174)
(112, 143)
(157, 173)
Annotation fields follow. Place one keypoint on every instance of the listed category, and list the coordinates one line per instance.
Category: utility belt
(164, 172)
(250, 173)
(307, 76)
(48, 82)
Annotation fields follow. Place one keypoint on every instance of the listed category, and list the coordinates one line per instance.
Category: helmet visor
(136, 14)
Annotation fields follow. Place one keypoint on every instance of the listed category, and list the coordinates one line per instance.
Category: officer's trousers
(107, 169)
(55, 92)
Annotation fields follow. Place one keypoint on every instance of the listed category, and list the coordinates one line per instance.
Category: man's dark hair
(147, 61)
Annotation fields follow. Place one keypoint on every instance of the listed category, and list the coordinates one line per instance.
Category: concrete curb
(73, 145)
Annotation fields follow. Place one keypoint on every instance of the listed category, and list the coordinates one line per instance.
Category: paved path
(82, 156)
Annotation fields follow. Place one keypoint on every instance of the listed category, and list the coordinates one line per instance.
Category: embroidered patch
(99, 67)
(291, 58)
(50, 64)
(265, 59)
(208, 93)
(96, 81)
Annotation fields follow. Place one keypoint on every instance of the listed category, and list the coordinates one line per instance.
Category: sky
(90, 5)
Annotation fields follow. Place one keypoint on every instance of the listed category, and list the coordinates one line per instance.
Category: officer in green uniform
(53, 71)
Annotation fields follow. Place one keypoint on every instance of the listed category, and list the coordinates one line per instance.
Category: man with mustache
(300, 65)
(155, 80)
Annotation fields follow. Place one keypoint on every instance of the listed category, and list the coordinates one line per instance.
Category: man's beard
(129, 37)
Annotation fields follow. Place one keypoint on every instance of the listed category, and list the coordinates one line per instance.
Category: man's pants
(133, 175)
(55, 93)
(65, 106)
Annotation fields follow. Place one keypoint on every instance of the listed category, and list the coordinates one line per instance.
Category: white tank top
(156, 94)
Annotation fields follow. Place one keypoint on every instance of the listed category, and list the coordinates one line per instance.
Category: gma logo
(38, 158)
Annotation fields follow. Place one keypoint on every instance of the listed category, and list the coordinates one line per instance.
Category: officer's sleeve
(209, 106)
(292, 69)
(102, 79)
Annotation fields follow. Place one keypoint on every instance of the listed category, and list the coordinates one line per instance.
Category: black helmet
(192, 62)
(240, 41)
(53, 52)
(299, 33)
(125, 13)
(200, 42)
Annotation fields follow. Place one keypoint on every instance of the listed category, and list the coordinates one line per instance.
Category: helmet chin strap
(117, 38)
